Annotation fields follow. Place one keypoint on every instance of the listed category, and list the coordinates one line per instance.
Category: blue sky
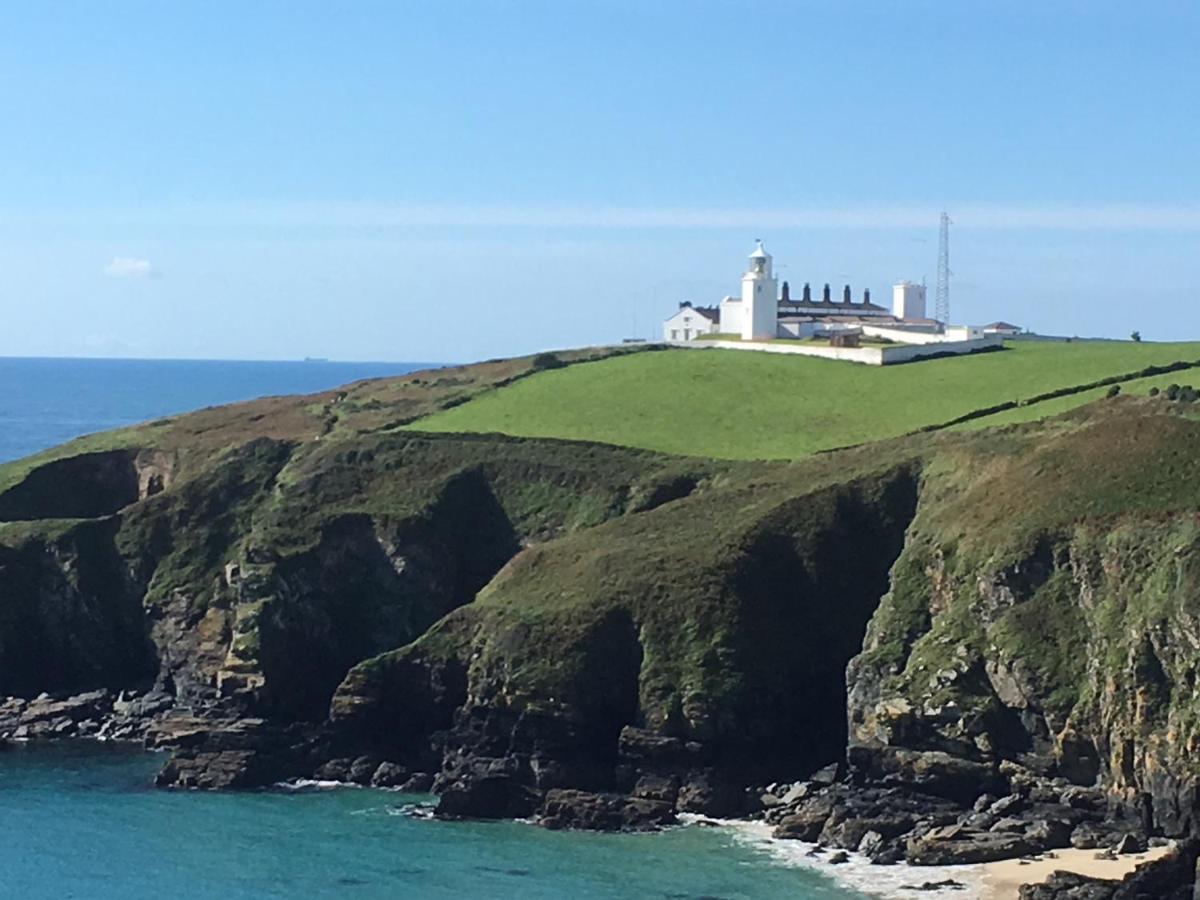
(464, 180)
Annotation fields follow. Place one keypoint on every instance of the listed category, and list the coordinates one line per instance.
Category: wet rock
(334, 770)
(807, 820)
(362, 770)
(665, 788)
(707, 795)
(493, 796)
(954, 845)
(418, 783)
(603, 812)
(389, 775)
(946, 884)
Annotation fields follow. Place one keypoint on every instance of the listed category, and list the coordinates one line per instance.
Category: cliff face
(716, 628)
(521, 617)
(1044, 611)
(261, 575)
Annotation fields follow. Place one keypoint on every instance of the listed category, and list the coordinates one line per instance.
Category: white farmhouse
(691, 322)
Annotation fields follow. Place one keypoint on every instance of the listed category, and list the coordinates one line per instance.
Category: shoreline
(999, 880)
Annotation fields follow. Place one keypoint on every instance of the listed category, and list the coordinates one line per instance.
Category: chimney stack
(807, 293)
(787, 293)
(866, 295)
(846, 294)
(825, 294)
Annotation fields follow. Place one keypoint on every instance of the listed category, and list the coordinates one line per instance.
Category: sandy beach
(1002, 880)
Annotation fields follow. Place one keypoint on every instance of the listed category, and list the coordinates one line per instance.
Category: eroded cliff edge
(604, 637)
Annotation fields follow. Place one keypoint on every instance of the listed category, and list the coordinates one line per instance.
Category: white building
(763, 313)
(760, 298)
(691, 322)
(908, 301)
(1003, 329)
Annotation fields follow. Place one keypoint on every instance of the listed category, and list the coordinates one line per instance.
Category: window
(687, 334)
(674, 334)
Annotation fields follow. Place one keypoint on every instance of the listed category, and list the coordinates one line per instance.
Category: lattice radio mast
(942, 301)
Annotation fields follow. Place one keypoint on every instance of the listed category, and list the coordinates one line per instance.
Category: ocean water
(83, 820)
(44, 402)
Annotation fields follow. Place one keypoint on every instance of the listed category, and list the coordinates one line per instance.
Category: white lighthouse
(760, 298)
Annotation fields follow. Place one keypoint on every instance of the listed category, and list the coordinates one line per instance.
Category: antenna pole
(942, 302)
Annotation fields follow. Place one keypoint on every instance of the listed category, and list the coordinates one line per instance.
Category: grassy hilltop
(736, 405)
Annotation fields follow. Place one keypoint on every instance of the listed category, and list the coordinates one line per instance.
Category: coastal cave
(375, 583)
(810, 583)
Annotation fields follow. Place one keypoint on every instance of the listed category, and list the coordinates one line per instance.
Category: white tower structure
(908, 301)
(760, 298)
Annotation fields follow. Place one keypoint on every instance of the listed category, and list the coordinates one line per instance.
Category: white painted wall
(731, 316)
(908, 336)
(686, 325)
(870, 356)
(908, 300)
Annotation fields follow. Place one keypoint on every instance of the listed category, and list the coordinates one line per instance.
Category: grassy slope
(1135, 387)
(737, 405)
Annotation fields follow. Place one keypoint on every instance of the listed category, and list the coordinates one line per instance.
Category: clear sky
(459, 180)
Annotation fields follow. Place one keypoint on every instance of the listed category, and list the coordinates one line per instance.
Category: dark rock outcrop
(603, 812)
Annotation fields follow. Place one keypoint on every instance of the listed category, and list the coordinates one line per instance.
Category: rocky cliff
(605, 637)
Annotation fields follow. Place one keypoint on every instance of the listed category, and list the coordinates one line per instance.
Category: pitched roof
(1008, 326)
(711, 313)
(833, 307)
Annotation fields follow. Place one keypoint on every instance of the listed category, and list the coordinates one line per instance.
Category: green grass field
(741, 405)
(1135, 387)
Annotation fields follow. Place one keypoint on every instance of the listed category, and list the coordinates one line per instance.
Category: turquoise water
(82, 821)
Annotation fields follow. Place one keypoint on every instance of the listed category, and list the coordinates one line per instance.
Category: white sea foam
(314, 784)
(898, 882)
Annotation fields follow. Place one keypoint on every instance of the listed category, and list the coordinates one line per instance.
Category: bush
(1172, 392)
(1113, 391)
(547, 361)
(1188, 394)
(1153, 392)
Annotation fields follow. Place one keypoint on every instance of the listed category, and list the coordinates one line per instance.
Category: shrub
(1153, 392)
(1172, 392)
(1188, 394)
(1113, 391)
(547, 361)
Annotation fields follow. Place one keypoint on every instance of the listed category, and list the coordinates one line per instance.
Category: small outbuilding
(690, 322)
(1003, 329)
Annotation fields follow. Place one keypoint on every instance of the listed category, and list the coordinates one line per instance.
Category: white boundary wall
(953, 334)
(870, 356)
